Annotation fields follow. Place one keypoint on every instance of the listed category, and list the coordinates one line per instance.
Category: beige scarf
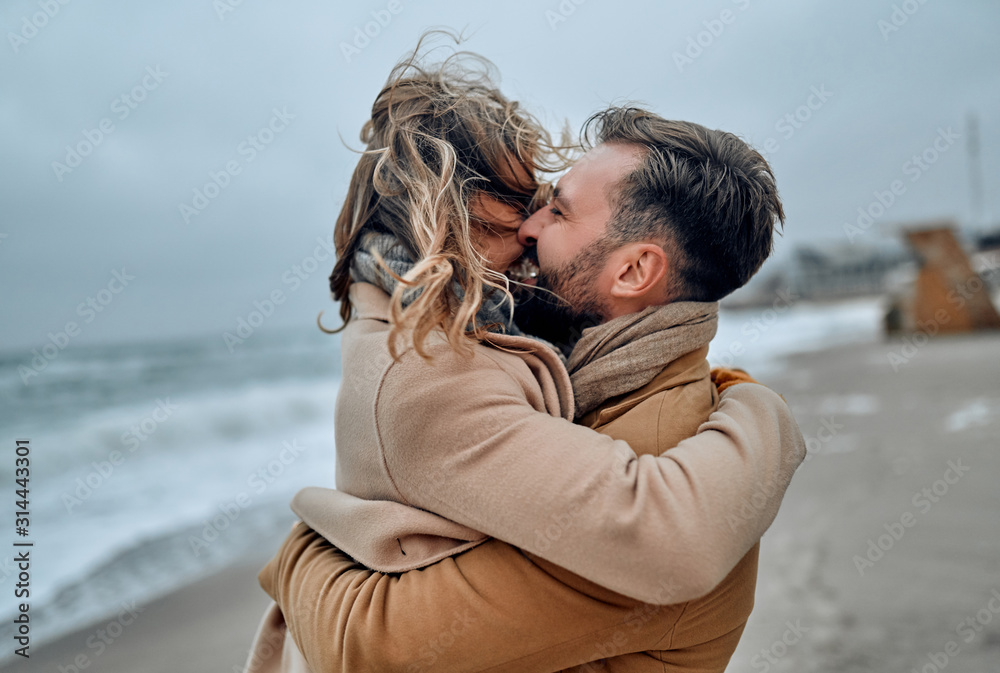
(628, 352)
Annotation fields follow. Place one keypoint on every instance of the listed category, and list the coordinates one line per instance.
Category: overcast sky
(170, 93)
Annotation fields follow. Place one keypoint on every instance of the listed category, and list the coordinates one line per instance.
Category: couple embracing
(536, 468)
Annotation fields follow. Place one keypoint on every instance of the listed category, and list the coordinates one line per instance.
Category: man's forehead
(597, 169)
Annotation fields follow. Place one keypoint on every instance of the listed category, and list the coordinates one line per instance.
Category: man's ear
(641, 273)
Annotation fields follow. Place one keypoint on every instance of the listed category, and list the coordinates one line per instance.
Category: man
(656, 223)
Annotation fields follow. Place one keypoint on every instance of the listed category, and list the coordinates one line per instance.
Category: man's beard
(564, 301)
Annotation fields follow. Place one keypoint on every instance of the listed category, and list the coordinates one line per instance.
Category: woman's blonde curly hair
(440, 136)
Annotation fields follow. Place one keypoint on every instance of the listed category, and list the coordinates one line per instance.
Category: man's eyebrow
(559, 195)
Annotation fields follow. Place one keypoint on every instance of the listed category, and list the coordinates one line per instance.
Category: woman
(453, 428)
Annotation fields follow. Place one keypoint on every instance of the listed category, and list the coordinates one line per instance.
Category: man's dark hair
(706, 196)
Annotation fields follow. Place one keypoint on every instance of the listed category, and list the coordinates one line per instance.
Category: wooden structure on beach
(948, 295)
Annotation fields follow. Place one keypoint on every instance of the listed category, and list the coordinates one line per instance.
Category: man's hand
(724, 378)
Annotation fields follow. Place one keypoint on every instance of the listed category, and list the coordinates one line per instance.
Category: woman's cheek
(516, 251)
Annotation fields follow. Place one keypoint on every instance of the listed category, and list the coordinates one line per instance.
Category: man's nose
(527, 234)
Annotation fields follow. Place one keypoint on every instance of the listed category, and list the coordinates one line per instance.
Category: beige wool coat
(434, 458)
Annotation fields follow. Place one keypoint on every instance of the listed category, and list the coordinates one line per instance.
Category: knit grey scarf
(624, 354)
(495, 308)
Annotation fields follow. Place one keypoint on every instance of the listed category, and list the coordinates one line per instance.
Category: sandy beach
(885, 555)
(206, 626)
(888, 542)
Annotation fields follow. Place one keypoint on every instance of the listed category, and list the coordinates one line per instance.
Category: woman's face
(498, 222)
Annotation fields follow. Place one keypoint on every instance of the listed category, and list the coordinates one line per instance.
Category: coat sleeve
(660, 529)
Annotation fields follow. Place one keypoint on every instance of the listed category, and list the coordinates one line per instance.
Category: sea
(156, 464)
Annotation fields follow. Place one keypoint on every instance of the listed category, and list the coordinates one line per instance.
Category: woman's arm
(636, 525)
